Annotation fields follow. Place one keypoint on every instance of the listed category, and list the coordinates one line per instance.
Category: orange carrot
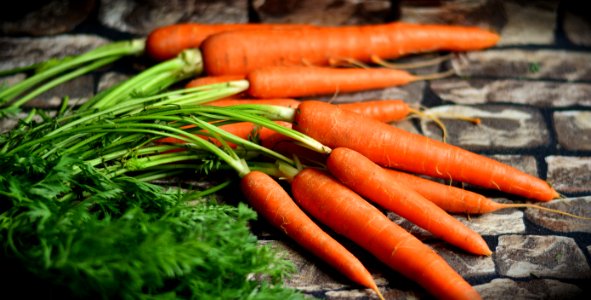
(374, 183)
(302, 81)
(278, 101)
(241, 129)
(240, 52)
(271, 201)
(456, 200)
(381, 110)
(167, 42)
(205, 80)
(345, 212)
(393, 147)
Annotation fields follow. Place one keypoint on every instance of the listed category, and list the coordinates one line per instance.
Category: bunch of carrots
(369, 164)
(350, 163)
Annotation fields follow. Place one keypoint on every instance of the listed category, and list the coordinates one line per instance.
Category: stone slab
(573, 129)
(542, 64)
(523, 256)
(501, 127)
(562, 223)
(529, 22)
(532, 93)
(501, 288)
(323, 12)
(141, 17)
(569, 174)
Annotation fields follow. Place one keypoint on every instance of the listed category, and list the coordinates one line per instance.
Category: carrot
(393, 147)
(456, 200)
(240, 52)
(205, 80)
(301, 81)
(271, 201)
(345, 212)
(240, 129)
(374, 183)
(167, 42)
(287, 102)
(381, 110)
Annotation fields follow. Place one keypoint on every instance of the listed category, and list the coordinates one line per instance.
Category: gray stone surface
(323, 12)
(529, 22)
(577, 27)
(534, 93)
(522, 256)
(501, 127)
(573, 129)
(45, 17)
(525, 64)
(563, 223)
(472, 13)
(569, 174)
(141, 17)
(467, 265)
(502, 288)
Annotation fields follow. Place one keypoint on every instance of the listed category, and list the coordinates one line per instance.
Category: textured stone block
(521, 256)
(501, 127)
(529, 22)
(573, 129)
(141, 17)
(533, 93)
(323, 12)
(520, 63)
(563, 223)
(502, 288)
(569, 174)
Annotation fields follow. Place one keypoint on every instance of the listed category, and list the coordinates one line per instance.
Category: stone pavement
(532, 93)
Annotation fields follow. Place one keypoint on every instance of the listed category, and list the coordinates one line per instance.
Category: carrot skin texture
(330, 202)
(303, 81)
(239, 52)
(450, 198)
(167, 42)
(205, 80)
(393, 147)
(374, 183)
(271, 201)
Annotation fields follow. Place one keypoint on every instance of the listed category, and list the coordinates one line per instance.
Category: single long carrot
(374, 183)
(205, 80)
(271, 201)
(240, 52)
(393, 147)
(387, 110)
(304, 81)
(345, 212)
(167, 42)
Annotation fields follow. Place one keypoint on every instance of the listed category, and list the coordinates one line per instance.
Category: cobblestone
(569, 174)
(501, 288)
(563, 223)
(573, 129)
(520, 256)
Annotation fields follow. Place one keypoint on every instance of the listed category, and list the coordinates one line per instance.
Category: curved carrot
(168, 41)
(393, 147)
(239, 52)
(345, 212)
(374, 183)
(271, 201)
(301, 81)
